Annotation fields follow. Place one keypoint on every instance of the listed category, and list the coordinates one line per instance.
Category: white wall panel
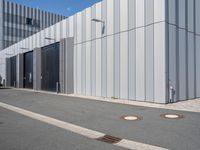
(131, 15)
(110, 67)
(98, 24)
(124, 15)
(149, 12)
(75, 69)
(140, 20)
(159, 10)
(182, 65)
(88, 68)
(93, 52)
(58, 31)
(110, 17)
(79, 28)
(88, 24)
(78, 73)
(159, 63)
(149, 63)
(110, 48)
(124, 65)
(132, 65)
(191, 71)
(140, 64)
(98, 67)
(83, 68)
(71, 26)
(198, 66)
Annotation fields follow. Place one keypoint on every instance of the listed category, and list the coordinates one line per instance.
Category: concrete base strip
(132, 145)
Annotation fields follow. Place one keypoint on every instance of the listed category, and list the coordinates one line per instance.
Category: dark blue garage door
(50, 67)
(28, 70)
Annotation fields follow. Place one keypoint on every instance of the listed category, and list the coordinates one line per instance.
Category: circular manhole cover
(132, 118)
(172, 116)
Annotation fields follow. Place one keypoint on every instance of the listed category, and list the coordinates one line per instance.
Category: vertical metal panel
(1, 24)
(182, 65)
(124, 65)
(88, 68)
(182, 13)
(124, 15)
(191, 71)
(124, 49)
(140, 64)
(172, 11)
(71, 25)
(69, 85)
(78, 63)
(149, 63)
(131, 14)
(37, 69)
(140, 14)
(198, 66)
(132, 65)
(104, 48)
(190, 17)
(110, 48)
(131, 50)
(98, 51)
(159, 63)
(116, 49)
(172, 57)
(197, 14)
(88, 51)
(159, 10)
(78, 37)
(83, 63)
(93, 52)
(149, 12)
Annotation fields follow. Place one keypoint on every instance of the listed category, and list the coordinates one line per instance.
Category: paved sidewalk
(189, 105)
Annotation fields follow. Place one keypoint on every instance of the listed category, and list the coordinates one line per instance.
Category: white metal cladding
(130, 60)
(184, 35)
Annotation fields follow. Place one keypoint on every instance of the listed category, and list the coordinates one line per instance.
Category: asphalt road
(18, 132)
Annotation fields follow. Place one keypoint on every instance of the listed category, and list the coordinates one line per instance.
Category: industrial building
(144, 50)
(18, 22)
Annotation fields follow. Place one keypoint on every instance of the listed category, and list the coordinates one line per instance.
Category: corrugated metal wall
(128, 61)
(184, 47)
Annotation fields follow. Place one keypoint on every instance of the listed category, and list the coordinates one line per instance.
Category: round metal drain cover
(132, 118)
(172, 116)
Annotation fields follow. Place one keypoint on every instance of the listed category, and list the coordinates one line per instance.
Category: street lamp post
(49, 39)
(100, 21)
(23, 49)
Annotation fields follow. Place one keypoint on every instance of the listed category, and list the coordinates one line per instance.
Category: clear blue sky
(63, 7)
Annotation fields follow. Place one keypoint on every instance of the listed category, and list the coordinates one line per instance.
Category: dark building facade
(18, 22)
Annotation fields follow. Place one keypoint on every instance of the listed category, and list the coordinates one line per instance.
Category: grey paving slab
(181, 134)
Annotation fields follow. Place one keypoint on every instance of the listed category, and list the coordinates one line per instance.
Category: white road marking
(124, 143)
